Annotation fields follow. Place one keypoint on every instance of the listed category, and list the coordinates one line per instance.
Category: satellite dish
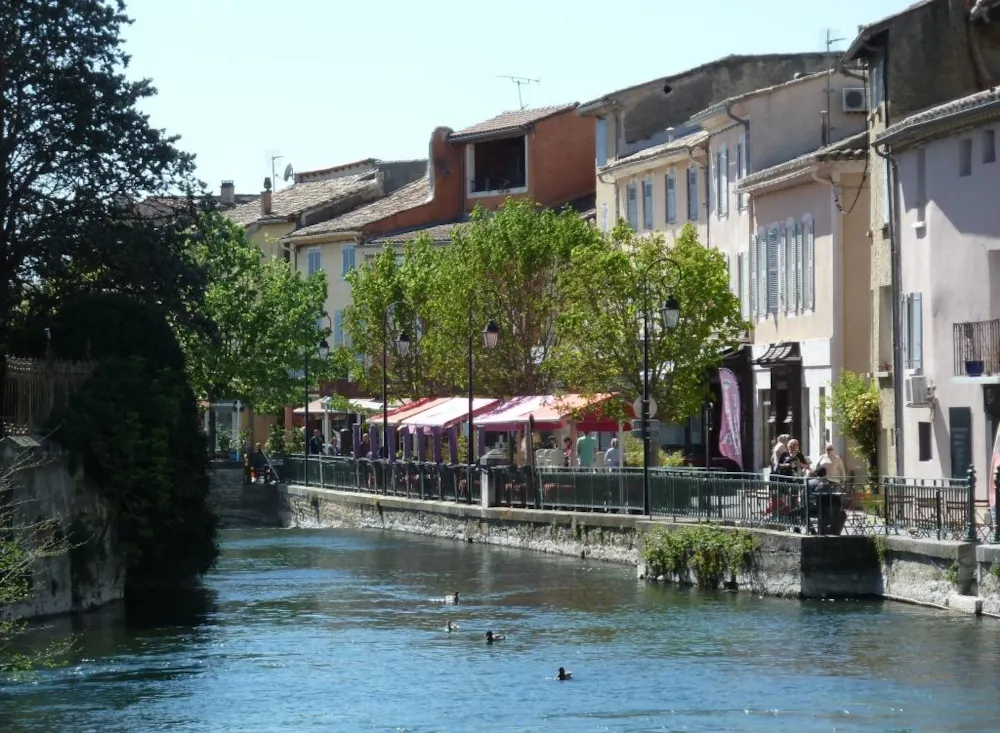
(288, 172)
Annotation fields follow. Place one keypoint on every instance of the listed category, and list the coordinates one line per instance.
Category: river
(344, 631)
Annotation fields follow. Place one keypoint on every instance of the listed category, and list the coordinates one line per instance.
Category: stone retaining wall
(242, 505)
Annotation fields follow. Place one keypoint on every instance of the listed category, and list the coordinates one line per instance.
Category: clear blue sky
(324, 82)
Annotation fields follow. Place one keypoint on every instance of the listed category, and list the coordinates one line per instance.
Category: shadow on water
(178, 607)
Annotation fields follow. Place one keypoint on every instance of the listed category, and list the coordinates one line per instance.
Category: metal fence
(941, 508)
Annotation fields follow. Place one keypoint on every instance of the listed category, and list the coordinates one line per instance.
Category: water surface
(344, 631)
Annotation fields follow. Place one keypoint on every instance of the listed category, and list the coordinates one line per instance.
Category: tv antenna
(829, 40)
(520, 81)
(274, 158)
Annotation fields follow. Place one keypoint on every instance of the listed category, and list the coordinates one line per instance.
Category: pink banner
(730, 445)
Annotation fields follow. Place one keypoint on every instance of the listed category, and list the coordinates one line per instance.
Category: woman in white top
(834, 465)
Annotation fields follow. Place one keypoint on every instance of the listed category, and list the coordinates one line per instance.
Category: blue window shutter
(692, 193)
(783, 280)
(724, 182)
(601, 134)
(338, 328)
(744, 286)
(345, 259)
(773, 265)
(604, 217)
(671, 184)
(632, 206)
(809, 288)
(904, 331)
(314, 262)
(918, 335)
(753, 276)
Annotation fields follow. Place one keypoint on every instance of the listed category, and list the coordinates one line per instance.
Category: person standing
(586, 450)
(834, 465)
(613, 456)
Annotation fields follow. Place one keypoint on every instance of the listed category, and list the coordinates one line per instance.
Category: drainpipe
(746, 146)
(896, 277)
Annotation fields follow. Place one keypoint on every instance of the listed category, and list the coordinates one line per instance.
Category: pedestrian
(586, 450)
(833, 464)
(316, 443)
(613, 456)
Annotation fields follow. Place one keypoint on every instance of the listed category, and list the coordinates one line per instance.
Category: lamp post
(670, 311)
(323, 348)
(491, 335)
(402, 348)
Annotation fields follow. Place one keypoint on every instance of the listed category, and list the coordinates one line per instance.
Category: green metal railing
(941, 508)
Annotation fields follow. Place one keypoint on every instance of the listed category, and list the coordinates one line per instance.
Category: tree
(854, 406)
(76, 154)
(503, 266)
(605, 290)
(266, 322)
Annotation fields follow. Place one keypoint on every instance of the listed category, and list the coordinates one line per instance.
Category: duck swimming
(452, 599)
(449, 627)
(564, 675)
(491, 637)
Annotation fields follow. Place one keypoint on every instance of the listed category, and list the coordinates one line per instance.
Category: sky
(325, 82)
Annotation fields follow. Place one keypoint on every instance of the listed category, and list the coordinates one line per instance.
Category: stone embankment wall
(88, 572)
(238, 504)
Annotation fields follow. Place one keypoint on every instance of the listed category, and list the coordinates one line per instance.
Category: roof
(596, 105)
(938, 120)
(439, 233)
(164, 206)
(409, 196)
(868, 32)
(981, 10)
(657, 151)
(333, 169)
(854, 147)
(720, 107)
(509, 122)
(298, 198)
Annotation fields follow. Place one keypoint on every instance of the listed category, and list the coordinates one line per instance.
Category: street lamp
(491, 335)
(402, 348)
(323, 348)
(670, 311)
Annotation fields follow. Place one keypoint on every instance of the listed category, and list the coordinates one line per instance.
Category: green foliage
(633, 454)
(600, 326)
(266, 322)
(952, 573)
(854, 408)
(995, 569)
(134, 428)
(77, 153)
(225, 439)
(878, 542)
(295, 440)
(275, 445)
(713, 554)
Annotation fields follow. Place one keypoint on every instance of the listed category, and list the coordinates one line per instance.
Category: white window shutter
(918, 335)
(724, 183)
(782, 267)
(745, 285)
(752, 276)
(800, 301)
(810, 282)
(773, 264)
(904, 331)
(713, 198)
(762, 274)
(604, 217)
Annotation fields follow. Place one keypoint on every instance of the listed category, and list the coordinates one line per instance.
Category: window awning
(779, 353)
(549, 412)
(409, 410)
(450, 412)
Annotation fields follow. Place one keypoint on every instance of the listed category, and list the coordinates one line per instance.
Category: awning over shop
(409, 410)
(450, 412)
(512, 414)
(362, 405)
(315, 408)
(550, 412)
(366, 405)
(778, 354)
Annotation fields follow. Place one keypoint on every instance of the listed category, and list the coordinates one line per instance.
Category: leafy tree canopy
(267, 320)
(606, 288)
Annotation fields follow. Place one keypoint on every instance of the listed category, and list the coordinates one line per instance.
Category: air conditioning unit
(855, 99)
(918, 393)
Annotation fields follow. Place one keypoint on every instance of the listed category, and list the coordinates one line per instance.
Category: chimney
(265, 198)
(670, 134)
(228, 193)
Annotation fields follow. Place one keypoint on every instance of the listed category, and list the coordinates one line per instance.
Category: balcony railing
(977, 348)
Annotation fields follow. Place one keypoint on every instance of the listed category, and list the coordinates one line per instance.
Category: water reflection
(317, 631)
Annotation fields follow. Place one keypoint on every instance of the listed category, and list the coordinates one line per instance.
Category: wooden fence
(34, 388)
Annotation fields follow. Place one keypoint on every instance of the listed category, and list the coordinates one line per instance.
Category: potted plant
(974, 367)
(225, 439)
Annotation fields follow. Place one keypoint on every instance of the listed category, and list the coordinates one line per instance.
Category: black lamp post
(402, 348)
(491, 335)
(323, 349)
(670, 312)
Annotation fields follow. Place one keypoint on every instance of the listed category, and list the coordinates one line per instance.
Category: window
(876, 80)
(965, 157)
(741, 170)
(807, 276)
(670, 182)
(924, 440)
(632, 206)
(989, 146)
(912, 332)
(921, 185)
(721, 181)
(314, 261)
(773, 269)
(647, 204)
(604, 217)
(499, 166)
(762, 275)
(754, 277)
(692, 193)
(601, 138)
(347, 259)
(744, 274)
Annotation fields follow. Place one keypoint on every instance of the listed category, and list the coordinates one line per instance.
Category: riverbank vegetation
(706, 555)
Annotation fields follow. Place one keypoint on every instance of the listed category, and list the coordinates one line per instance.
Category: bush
(275, 445)
(714, 555)
(633, 454)
(854, 408)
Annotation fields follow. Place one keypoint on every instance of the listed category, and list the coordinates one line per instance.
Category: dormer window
(498, 167)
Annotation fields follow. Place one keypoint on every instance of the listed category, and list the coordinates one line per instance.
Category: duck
(564, 675)
(452, 599)
(449, 627)
(491, 637)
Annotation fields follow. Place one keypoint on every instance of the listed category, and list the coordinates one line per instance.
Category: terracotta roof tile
(854, 147)
(298, 198)
(408, 197)
(676, 145)
(510, 121)
(438, 233)
(918, 124)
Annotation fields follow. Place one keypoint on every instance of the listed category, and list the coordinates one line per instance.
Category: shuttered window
(762, 273)
(808, 269)
(604, 217)
(647, 204)
(670, 182)
(315, 261)
(784, 282)
(724, 182)
(338, 328)
(692, 193)
(753, 277)
(347, 257)
(632, 206)
(773, 269)
(744, 276)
